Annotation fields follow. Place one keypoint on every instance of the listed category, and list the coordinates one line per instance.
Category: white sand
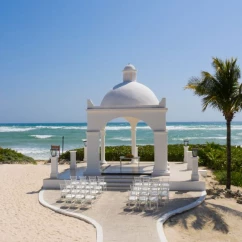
(216, 220)
(22, 218)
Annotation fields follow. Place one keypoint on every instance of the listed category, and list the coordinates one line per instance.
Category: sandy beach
(24, 219)
(216, 219)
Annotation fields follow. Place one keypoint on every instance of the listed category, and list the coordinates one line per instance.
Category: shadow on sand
(201, 216)
(34, 192)
(205, 214)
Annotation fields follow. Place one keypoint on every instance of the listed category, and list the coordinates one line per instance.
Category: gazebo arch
(132, 101)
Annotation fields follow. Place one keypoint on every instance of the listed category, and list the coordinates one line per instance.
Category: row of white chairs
(82, 191)
(90, 180)
(147, 181)
(147, 191)
(139, 198)
(79, 196)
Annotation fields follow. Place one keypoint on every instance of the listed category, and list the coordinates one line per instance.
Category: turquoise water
(35, 139)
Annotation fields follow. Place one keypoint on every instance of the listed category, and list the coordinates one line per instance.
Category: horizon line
(115, 122)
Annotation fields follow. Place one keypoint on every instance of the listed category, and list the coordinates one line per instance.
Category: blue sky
(54, 55)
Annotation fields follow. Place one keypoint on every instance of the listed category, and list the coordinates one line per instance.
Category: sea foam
(4, 129)
(42, 136)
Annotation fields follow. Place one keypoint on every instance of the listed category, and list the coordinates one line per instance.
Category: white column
(93, 161)
(103, 133)
(133, 142)
(189, 160)
(73, 160)
(54, 167)
(160, 147)
(185, 153)
(195, 176)
(85, 154)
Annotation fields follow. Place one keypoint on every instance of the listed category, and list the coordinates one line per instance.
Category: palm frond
(222, 90)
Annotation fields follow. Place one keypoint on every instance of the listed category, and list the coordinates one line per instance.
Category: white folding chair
(79, 197)
(136, 189)
(146, 181)
(144, 191)
(154, 199)
(83, 180)
(155, 183)
(164, 193)
(68, 184)
(94, 191)
(143, 200)
(92, 182)
(80, 185)
(165, 182)
(132, 198)
(137, 181)
(69, 197)
(101, 182)
(74, 180)
(99, 188)
(92, 178)
(89, 198)
(64, 190)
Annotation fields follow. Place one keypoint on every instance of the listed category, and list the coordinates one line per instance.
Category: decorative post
(189, 160)
(54, 167)
(85, 150)
(185, 153)
(195, 176)
(73, 160)
(103, 133)
(186, 147)
(54, 161)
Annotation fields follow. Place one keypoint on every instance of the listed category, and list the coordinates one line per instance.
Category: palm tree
(221, 91)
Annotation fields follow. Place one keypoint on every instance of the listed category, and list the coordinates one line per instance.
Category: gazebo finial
(129, 73)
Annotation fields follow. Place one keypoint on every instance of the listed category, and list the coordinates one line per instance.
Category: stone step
(117, 184)
(123, 189)
(119, 180)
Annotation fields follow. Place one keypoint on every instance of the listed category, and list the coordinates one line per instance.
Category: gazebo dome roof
(129, 93)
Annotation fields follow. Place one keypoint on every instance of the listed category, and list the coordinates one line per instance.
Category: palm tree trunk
(228, 183)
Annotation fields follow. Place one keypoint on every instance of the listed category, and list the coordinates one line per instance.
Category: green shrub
(146, 153)
(175, 153)
(210, 154)
(236, 177)
(79, 154)
(8, 156)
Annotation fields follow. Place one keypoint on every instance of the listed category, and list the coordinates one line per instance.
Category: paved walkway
(120, 223)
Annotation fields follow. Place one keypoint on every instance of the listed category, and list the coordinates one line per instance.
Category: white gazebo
(132, 101)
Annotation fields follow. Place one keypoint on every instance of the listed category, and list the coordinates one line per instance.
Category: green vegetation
(211, 155)
(236, 177)
(8, 156)
(221, 91)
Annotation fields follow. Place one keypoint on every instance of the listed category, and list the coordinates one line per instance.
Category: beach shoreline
(35, 140)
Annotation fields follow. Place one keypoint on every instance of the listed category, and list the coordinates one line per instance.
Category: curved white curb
(99, 230)
(161, 220)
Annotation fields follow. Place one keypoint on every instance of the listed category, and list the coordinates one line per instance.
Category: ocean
(35, 139)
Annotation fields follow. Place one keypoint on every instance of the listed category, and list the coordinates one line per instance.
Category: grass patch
(8, 156)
